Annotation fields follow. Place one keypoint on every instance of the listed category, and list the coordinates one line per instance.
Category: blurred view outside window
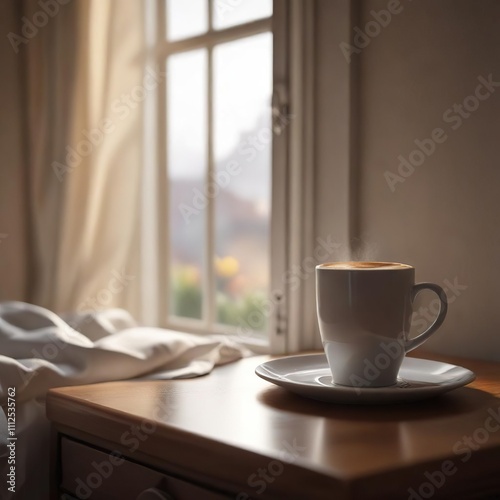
(218, 155)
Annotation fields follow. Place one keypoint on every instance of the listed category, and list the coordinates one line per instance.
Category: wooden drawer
(90, 473)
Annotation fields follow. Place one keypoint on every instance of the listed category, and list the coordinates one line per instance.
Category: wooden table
(232, 435)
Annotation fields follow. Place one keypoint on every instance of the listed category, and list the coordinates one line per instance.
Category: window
(218, 160)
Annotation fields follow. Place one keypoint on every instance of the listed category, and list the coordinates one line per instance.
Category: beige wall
(444, 217)
(12, 247)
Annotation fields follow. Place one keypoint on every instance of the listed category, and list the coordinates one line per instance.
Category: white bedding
(40, 350)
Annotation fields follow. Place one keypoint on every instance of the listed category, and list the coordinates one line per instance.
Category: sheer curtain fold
(84, 114)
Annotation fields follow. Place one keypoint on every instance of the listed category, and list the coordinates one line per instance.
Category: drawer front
(90, 473)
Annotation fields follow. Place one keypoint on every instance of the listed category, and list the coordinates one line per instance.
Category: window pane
(186, 18)
(242, 151)
(228, 13)
(187, 164)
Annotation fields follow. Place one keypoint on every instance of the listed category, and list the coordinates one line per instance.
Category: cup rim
(372, 266)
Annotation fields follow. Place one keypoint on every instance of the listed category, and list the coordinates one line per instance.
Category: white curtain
(85, 91)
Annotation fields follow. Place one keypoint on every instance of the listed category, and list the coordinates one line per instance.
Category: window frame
(161, 49)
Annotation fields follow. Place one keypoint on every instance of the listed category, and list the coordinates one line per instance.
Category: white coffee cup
(364, 314)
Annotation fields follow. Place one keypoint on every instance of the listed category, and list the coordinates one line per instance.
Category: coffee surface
(365, 265)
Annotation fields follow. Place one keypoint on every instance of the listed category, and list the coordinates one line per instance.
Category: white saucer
(310, 376)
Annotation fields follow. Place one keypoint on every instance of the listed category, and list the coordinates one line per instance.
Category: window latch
(279, 109)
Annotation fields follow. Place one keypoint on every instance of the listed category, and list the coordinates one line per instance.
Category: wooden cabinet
(87, 472)
(232, 435)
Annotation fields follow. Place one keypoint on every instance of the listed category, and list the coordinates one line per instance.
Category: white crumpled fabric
(40, 350)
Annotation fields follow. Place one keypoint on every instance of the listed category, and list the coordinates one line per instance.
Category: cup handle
(420, 339)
